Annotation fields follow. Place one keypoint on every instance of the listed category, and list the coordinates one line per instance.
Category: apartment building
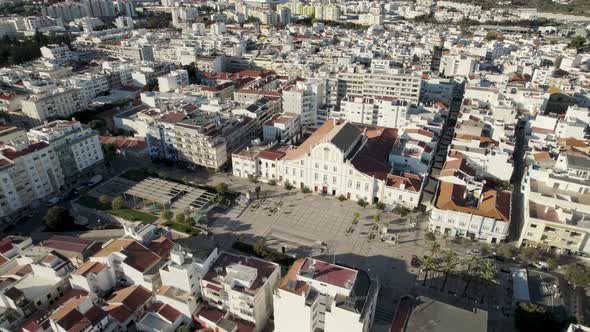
(94, 277)
(304, 99)
(378, 111)
(394, 83)
(80, 314)
(57, 54)
(240, 286)
(173, 80)
(457, 65)
(190, 259)
(556, 211)
(135, 263)
(285, 127)
(90, 85)
(60, 103)
(319, 296)
(76, 145)
(200, 144)
(465, 207)
(28, 175)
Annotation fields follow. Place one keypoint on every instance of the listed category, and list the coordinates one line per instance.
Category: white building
(457, 65)
(190, 260)
(471, 210)
(556, 214)
(78, 147)
(93, 277)
(57, 54)
(317, 295)
(60, 103)
(242, 286)
(173, 80)
(284, 127)
(304, 99)
(378, 111)
(90, 85)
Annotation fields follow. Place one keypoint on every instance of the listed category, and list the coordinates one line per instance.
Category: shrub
(380, 206)
(103, 199)
(180, 218)
(361, 202)
(289, 186)
(166, 215)
(305, 190)
(272, 182)
(430, 236)
(376, 218)
(117, 203)
(341, 198)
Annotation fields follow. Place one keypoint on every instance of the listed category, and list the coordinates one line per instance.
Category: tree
(257, 191)
(530, 254)
(355, 215)
(507, 250)
(288, 186)
(162, 175)
(380, 206)
(361, 202)
(117, 203)
(448, 265)
(103, 199)
(109, 151)
(487, 273)
(469, 273)
(272, 182)
(578, 274)
(166, 215)
(58, 218)
(259, 247)
(428, 265)
(534, 317)
(97, 125)
(577, 42)
(221, 188)
(180, 218)
(429, 236)
(376, 218)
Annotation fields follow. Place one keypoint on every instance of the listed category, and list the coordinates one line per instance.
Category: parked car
(474, 252)
(540, 265)
(52, 201)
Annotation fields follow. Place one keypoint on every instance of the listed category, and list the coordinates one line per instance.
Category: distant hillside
(575, 7)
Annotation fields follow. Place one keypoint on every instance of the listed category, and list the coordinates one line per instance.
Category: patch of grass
(136, 175)
(129, 214)
(270, 255)
(182, 227)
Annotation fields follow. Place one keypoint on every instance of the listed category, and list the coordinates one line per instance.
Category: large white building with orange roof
(342, 158)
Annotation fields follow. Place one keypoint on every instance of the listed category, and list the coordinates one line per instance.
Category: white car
(52, 201)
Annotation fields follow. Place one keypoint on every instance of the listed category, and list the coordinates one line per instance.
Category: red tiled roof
(132, 297)
(328, 273)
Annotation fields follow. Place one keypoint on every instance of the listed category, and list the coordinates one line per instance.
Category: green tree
(577, 42)
(428, 265)
(469, 272)
(104, 199)
(109, 151)
(534, 317)
(380, 206)
(578, 274)
(167, 215)
(117, 203)
(180, 218)
(162, 175)
(355, 215)
(361, 202)
(221, 188)
(57, 219)
(429, 236)
(448, 266)
(257, 191)
(259, 248)
(530, 254)
(376, 218)
(487, 274)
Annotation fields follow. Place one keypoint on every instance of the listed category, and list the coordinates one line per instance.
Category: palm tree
(487, 273)
(434, 248)
(470, 271)
(448, 265)
(428, 265)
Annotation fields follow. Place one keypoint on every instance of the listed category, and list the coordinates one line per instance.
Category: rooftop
(328, 273)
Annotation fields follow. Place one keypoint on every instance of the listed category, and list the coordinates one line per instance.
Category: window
(317, 165)
(325, 178)
(358, 185)
(333, 180)
(315, 176)
(366, 186)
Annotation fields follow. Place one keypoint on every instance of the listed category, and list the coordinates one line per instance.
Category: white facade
(60, 103)
(304, 99)
(454, 65)
(172, 81)
(379, 111)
